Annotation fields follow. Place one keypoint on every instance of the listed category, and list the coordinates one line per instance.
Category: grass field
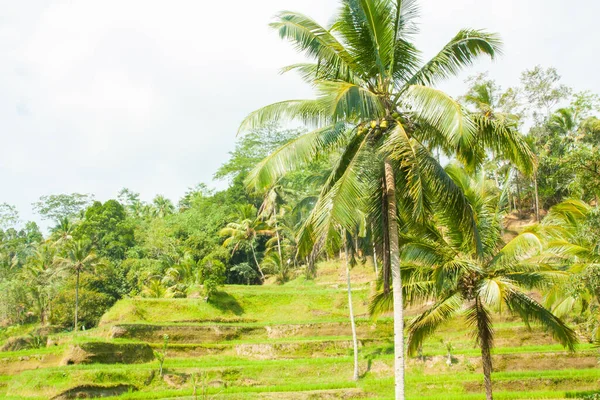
(288, 342)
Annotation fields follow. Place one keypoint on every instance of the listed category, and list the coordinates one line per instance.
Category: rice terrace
(396, 203)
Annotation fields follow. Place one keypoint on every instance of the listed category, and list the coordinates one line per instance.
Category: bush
(212, 275)
(92, 305)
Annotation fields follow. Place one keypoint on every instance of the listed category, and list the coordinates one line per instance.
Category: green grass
(315, 358)
(270, 305)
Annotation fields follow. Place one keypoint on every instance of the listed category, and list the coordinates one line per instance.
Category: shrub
(92, 305)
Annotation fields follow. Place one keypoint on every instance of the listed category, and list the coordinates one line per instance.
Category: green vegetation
(474, 220)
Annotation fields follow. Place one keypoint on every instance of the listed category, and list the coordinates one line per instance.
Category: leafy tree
(9, 216)
(106, 226)
(58, 206)
(245, 271)
(252, 148)
(212, 275)
(543, 90)
(447, 267)
(131, 201)
(375, 109)
(90, 309)
(79, 257)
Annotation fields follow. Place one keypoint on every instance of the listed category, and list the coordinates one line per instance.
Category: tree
(39, 273)
(59, 206)
(63, 231)
(543, 90)
(446, 267)
(106, 226)
(9, 216)
(245, 231)
(376, 110)
(80, 257)
(162, 206)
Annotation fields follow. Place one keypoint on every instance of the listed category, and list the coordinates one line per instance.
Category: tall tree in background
(56, 207)
(80, 257)
(376, 109)
(162, 206)
(39, 275)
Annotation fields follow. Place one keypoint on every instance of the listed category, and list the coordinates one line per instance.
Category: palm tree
(39, 273)
(444, 266)
(245, 231)
(577, 250)
(375, 109)
(80, 257)
(162, 206)
(63, 232)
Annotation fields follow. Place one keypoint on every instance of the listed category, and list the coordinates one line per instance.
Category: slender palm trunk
(484, 342)
(390, 184)
(352, 323)
(277, 234)
(519, 207)
(257, 264)
(76, 297)
(537, 199)
(386, 266)
(486, 358)
(375, 260)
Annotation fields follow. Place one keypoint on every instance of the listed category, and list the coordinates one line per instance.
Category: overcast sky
(100, 95)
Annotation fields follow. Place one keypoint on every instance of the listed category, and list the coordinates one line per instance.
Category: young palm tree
(446, 267)
(376, 109)
(80, 257)
(245, 231)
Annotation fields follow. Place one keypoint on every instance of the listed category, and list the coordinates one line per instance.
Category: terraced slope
(283, 342)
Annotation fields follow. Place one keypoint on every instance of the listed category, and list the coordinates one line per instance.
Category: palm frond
(426, 323)
(460, 52)
(294, 154)
(530, 310)
(443, 113)
(316, 42)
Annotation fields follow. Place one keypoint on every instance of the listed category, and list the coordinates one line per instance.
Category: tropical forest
(379, 239)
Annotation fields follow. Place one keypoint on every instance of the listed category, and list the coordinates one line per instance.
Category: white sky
(148, 94)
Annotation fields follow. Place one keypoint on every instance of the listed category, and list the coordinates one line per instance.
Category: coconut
(373, 124)
(384, 124)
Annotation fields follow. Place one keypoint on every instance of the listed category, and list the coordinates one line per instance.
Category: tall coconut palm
(63, 231)
(446, 267)
(376, 109)
(162, 206)
(80, 257)
(245, 230)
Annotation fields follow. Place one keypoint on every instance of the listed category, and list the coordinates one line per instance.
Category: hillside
(282, 342)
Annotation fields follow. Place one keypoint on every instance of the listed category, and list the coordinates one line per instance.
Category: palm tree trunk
(486, 358)
(374, 254)
(352, 323)
(519, 207)
(257, 264)
(277, 234)
(390, 184)
(537, 199)
(385, 256)
(76, 298)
